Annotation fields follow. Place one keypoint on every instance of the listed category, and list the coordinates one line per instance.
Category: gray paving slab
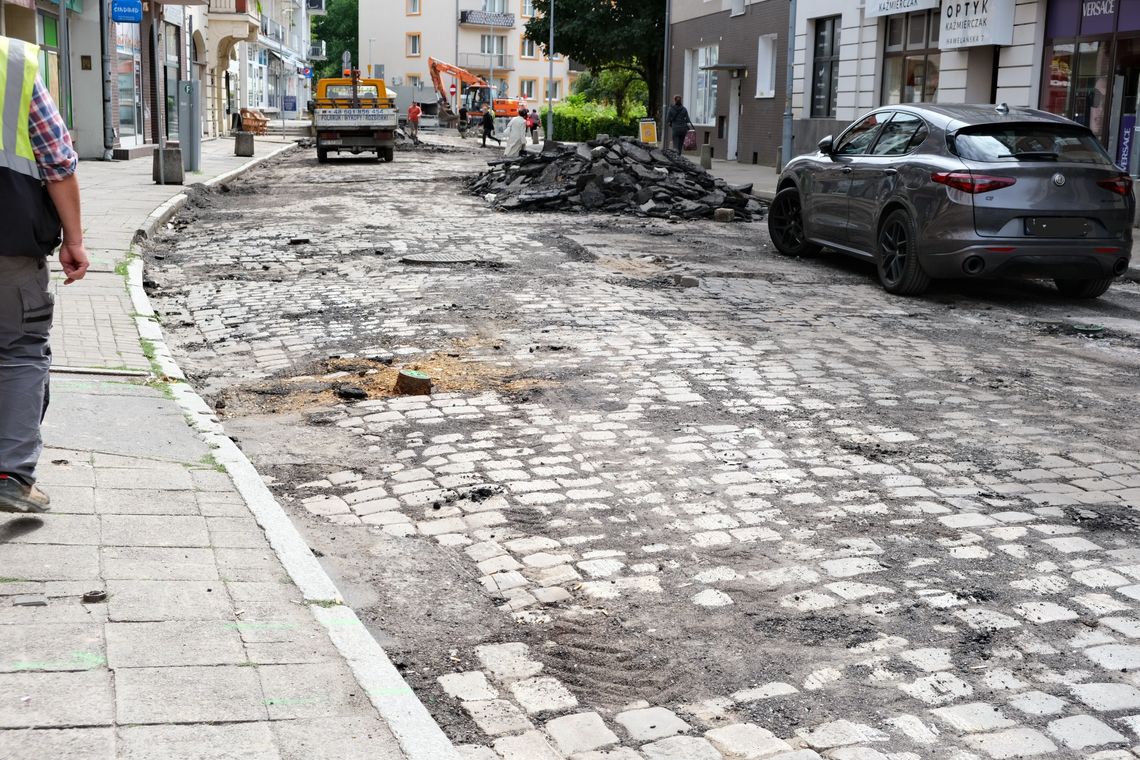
(145, 601)
(78, 500)
(49, 562)
(46, 700)
(223, 694)
(359, 738)
(51, 647)
(145, 563)
(172, 644)
(314, 690)
(39, 744)
(154, 530)
(143, 501)
(53, 529)
(199, 741)
(235, 564)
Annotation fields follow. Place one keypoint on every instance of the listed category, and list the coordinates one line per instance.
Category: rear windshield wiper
(1046, 154)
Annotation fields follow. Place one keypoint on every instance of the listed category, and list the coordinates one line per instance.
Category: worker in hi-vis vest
(39, 198)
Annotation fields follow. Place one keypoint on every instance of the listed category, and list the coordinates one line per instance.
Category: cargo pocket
(38, 309)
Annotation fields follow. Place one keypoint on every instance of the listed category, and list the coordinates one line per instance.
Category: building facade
(483, 36)
(727, 59)
(204, 41)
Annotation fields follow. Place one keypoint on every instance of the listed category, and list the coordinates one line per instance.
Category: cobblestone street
(683, 499)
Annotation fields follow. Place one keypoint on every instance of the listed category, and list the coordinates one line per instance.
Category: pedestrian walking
(489, 126)
(678, 123)
(516, 134)
(532, 125)
(39, 192)
(414, 112)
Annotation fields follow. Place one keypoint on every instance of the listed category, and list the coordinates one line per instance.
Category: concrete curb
(420, 737)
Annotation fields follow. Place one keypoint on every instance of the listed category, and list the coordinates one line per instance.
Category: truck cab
(354, 115)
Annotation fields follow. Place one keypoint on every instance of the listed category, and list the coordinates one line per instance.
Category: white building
(855, 56)
(486, 38)
(272, 66)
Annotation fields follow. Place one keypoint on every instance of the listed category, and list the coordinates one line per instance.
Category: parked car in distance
(946, 191)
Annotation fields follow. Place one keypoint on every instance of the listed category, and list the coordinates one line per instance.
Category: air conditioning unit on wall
(316, 6)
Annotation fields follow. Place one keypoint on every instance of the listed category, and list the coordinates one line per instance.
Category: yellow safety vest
(28, 217)
(19, 66)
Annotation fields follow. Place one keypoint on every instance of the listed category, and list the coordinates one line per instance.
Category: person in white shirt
(516, 134)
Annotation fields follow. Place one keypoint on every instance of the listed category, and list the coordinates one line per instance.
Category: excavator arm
(437, 67)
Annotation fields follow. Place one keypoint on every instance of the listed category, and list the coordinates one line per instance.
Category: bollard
(170, 171)
(243, 144)
(706, 156)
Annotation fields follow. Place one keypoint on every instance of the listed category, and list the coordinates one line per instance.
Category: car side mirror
(825, 145)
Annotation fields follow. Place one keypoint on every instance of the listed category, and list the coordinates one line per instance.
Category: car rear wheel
(900, 271)
(1087, 288)
(387, 154)
(786, 225)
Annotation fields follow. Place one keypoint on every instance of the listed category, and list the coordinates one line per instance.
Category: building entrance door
(733, 137)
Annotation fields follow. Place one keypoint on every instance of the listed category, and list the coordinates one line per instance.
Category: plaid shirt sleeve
(51, 140)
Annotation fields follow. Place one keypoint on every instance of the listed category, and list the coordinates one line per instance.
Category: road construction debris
(612, 175)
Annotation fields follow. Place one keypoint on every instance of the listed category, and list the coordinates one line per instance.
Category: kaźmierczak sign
(126, 11)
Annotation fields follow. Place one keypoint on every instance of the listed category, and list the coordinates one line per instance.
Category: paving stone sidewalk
(203, 646)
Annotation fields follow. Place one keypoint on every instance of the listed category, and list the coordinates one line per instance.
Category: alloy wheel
(786, 222)
(894, 248)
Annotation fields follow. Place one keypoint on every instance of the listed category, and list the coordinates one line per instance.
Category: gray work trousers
(26, 309)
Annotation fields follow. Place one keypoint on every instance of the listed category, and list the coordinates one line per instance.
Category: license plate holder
(1057, 226)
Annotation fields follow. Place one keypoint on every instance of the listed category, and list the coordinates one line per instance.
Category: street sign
(305, 71)
(290, 103)
(127, 11)
(346, 59)
(452, 88)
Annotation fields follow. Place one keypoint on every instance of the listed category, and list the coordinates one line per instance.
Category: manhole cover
(442, 259)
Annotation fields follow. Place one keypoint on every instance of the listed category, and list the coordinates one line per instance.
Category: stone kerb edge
(420, 737)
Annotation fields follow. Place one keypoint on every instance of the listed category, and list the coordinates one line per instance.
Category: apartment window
(494, 6)
(528, 8)
(766, 66)
(528, 49)
(492, 46)
(414, 8)
(737, 7)
(527, 88)
(554, 89)
(911, 58)
(415, 80)
(703, 84)
(413, 45)
(825, 68)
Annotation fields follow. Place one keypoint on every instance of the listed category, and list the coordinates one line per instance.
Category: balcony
(482, 61)
(233, 21)
(483, 18)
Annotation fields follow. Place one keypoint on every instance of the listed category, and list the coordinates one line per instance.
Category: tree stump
(411, 382)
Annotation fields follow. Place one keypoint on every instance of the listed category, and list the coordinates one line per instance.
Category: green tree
(621, 88)
(612, 35)
(339, 28)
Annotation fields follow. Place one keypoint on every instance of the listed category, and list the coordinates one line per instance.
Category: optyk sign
(968, 23)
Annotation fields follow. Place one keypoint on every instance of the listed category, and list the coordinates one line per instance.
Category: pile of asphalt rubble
(614, 175)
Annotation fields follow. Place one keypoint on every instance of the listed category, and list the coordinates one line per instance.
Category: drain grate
(442, 259)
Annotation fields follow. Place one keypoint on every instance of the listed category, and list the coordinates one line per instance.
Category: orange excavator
(476, 97)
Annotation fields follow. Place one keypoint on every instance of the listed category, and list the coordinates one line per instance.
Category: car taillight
(971, 183)
(329, 135)
(1121, 185)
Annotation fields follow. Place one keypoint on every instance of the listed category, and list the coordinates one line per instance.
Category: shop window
(703, 84)
(825, 67)
(911, 58)
(172, 50)
(766, 67)
(47, 36)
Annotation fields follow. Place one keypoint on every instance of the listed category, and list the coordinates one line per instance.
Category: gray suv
(942, 191)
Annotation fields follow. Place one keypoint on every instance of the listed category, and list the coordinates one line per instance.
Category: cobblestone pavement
(776, 514)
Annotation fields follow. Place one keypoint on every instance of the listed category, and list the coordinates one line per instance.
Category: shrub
(577, 120)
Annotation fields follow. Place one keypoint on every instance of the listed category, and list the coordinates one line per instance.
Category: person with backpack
(678, 122)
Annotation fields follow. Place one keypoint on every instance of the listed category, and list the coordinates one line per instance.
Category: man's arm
(51, 143)
(72, 255)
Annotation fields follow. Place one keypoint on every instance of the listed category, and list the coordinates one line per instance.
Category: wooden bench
(254, 121)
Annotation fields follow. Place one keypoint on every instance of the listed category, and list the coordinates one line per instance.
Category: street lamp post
(550, 80)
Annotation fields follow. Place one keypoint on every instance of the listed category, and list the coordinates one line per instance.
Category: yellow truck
(354, 115)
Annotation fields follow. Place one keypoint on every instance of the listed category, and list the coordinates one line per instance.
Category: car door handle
(890, 172)
(846, 169)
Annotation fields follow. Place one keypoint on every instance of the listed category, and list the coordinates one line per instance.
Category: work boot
(15, 496)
